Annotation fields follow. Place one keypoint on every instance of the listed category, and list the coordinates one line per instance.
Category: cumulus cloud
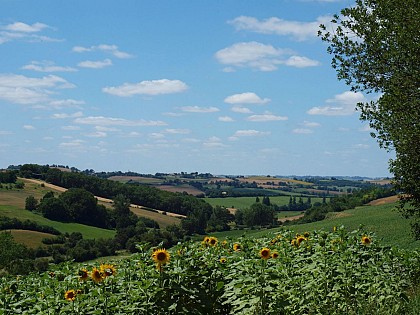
(153, 87)
(273, 25)
(110, 121)
(260, 57)
(241, 110)
(226, 119)
(47, 66)
(25, 32)
(70, 128)
(28, 127)
(340, 105)
(95, 64)
(300, 62)
(246, 98)
(311, 124)
(20, 89)
(250, 133)
(213, 142)
(77, 143)
(266, 117)
(177, 131)
(25, 28)
(112, 49)
(198, 109)
(65, 115)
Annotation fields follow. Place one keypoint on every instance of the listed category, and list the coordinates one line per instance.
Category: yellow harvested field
(32, 239)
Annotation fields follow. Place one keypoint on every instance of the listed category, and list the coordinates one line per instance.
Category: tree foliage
(375, 48)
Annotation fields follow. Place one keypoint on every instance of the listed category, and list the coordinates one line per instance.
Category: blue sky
(226, 87)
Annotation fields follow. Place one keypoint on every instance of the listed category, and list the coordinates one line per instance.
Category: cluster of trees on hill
(319, 211)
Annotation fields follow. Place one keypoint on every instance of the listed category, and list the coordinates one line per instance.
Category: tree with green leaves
(375, 48)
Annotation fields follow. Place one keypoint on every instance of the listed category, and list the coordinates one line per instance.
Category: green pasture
(88, 232)
(382, 220)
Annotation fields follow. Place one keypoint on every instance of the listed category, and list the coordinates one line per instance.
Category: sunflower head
(275, 255)
(212, 241)
(108, 270)
(300, 239)
(294, 242)
(205, 241)
(306, 234)
(83, 274)
(70, 295)
(223, 260)
(224, 244)
(236, 247)
(96, 275)
(366, 240)
(265, 253)
(161, 256)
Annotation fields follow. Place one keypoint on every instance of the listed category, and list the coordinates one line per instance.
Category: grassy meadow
(382, 220)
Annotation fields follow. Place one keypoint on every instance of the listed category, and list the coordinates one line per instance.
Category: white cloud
(65, 103)
(226, 119)
(302, 131)
(25, 28)
(70, 128)
(20, 89)
(241, 110)
(297, 30)
(97, 134)
(25, 32)
(65, 115)
(28, 127)
(260, 57)
(246, 98)
(197, 109)
(95, 64)
(266, 117)
(252, 54)
(250, 133)
(341, 105)
(112, 49)
(154, 87)
(311, 124)
(213, 142)
(72, 144)
(109, 121)
(47, 66)
(301, 62)
(178, 131)
(5, 133)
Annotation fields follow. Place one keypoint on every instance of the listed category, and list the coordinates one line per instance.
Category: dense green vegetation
(283, 273)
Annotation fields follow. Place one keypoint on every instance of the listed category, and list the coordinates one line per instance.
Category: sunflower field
(336, 272)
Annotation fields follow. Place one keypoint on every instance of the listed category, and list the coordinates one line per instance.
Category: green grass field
(246, 202)
(87, 231)
(387, 225)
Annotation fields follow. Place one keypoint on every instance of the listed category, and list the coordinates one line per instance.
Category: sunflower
(205, 241)
(366, 240)
(212, 241)
(70, 295)
(294, 242)
(224, 243)
(275, 255)
(223, 260)
(300, 239)
(236, 247)
(83, 274)
(306, 234)
(161, 256)
(265, 253)
(108, 270)
(96, 275)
